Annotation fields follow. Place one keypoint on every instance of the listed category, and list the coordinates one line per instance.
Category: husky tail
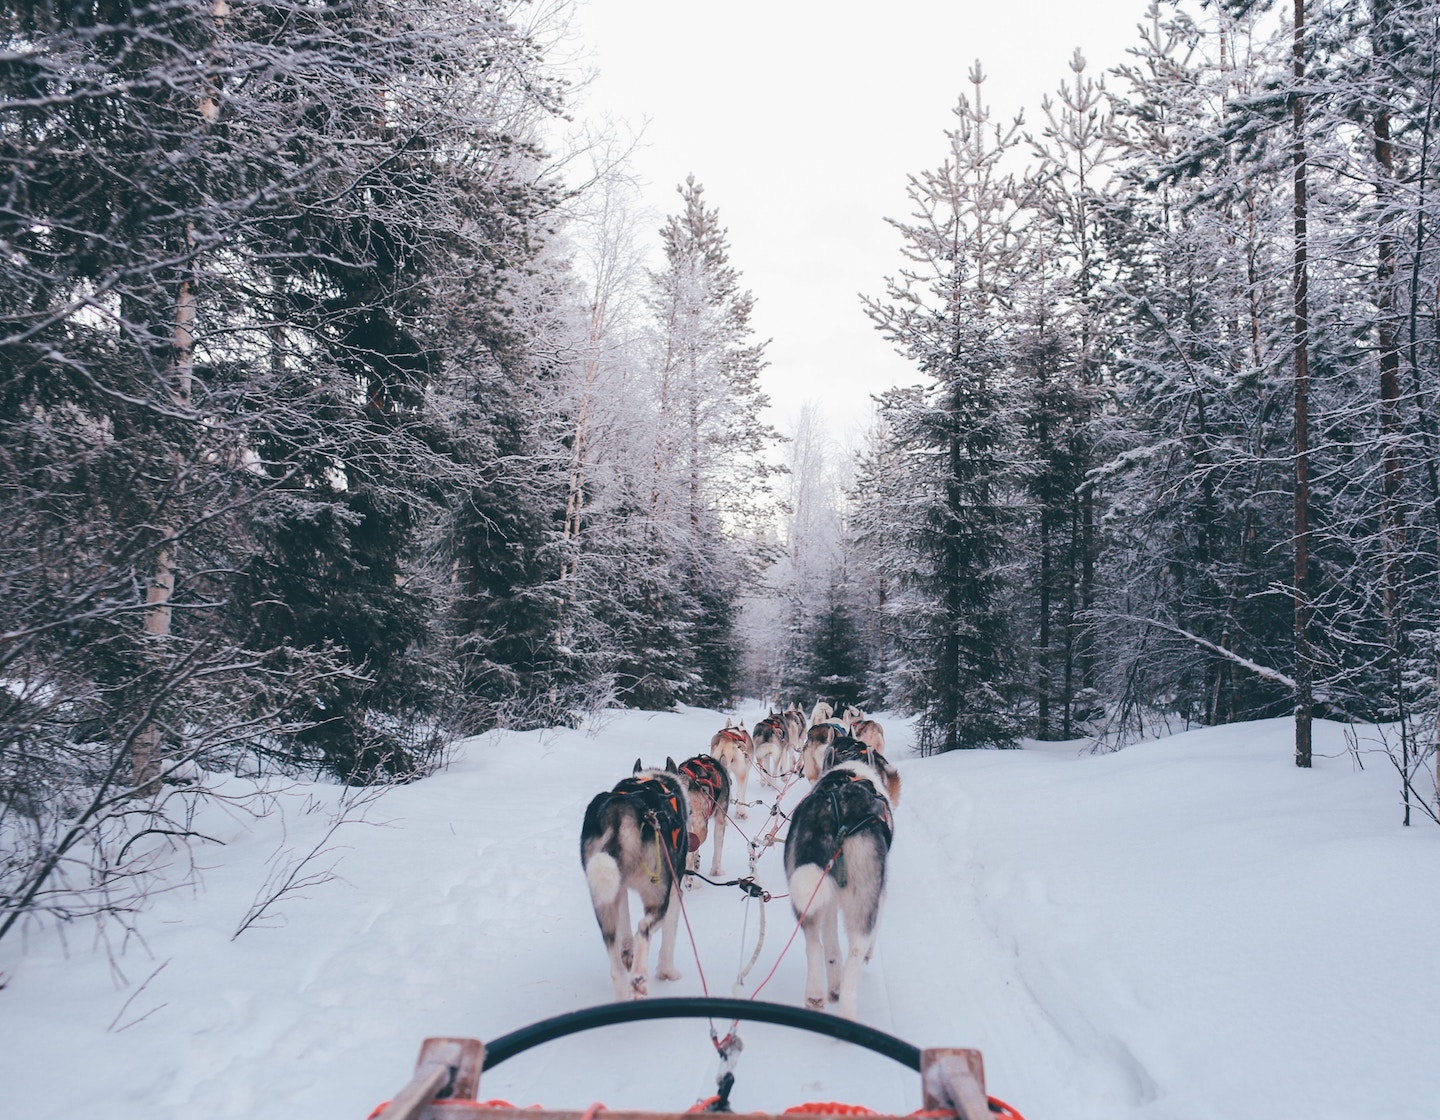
(603, 875)
(812, 891)
(598, 849)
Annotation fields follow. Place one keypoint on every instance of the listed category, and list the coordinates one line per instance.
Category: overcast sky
(802, 118)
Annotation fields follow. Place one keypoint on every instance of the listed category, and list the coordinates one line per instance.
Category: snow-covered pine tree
(1372, 84)
(1200, 500)
(948, 311)
(237, 240)
(812, 535)
(1064, 366)
(398, 356)
(709, 479)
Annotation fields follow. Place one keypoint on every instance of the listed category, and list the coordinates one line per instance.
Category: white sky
(801, 118)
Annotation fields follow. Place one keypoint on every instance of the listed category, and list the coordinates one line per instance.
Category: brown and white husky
(771, 737)
(732, 746)
(869, 732)
(708, 785)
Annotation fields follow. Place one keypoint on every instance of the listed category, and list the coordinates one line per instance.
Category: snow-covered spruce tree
(947, 518)
(1200, 513)
(1056, 451)
(1372, 81)
(812, 531)
(831, 663)
(1064, 367)
(224, 248)
(390, 283)
(877, 560)
(709, 481)
(599, 419)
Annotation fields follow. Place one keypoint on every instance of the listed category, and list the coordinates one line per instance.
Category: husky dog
(852, 716)
(795, 725)
(812, 753)
(870, 733)
(835, 856)
(732, 746)
(846, 748)
(634, 838)
(821, 712)
(771, 737)
(708, 785)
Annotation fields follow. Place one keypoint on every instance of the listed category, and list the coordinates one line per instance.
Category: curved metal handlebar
(699, 1007)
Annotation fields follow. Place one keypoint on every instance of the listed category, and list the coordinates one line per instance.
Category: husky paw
(667, 974)
(834, 995)
(639, 987)
(815, 1003)
(627, 957)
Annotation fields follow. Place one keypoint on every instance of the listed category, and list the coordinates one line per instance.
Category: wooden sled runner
(447, 1075)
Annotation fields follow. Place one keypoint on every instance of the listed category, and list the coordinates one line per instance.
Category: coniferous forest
(338, 422)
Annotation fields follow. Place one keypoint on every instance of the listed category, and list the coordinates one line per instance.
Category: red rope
(762, 844)
(736, 827)
(800, 921)
(679, 889)
(840, 1108)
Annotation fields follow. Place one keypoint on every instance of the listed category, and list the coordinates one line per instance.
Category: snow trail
(1186, 929)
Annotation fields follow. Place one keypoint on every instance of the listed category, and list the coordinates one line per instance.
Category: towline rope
(678, 889)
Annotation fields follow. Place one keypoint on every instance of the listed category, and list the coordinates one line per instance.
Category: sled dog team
(645, 834)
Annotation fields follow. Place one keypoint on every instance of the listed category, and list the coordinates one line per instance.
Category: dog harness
(776, 722)
(873, 808)
(704, 771)
(847, 748)
(662, 807)
(735, 734)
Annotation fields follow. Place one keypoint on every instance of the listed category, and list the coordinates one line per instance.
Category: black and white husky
(636, 837)
(835, 856)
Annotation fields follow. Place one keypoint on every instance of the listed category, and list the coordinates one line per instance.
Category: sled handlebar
(700, 1007)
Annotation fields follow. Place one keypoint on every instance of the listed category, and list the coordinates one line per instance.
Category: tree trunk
(1392, 531)
(1304, 675)
(146, 760)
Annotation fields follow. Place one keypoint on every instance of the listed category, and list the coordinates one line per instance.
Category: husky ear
(638, 767)
(670, 765)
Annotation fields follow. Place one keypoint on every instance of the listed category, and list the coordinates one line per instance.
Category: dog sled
(446, 1082)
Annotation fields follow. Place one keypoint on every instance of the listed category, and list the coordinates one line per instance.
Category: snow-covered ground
(1189, 929)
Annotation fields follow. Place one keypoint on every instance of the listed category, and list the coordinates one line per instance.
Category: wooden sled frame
(447, 1074)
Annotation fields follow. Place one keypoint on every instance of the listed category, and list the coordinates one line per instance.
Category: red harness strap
(704, 771)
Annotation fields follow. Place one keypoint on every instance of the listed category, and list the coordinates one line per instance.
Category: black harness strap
(662, 806)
